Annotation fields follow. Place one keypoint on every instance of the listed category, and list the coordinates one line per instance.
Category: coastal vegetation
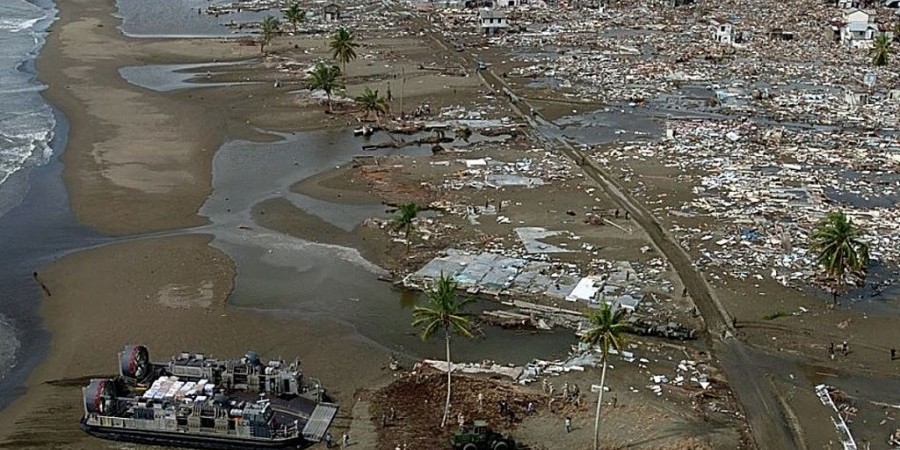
(325, 77)
(881, 50)
(294, 14)
(372, 103)
(445, 312)
(605, 331)
(406, 215)
(343, 47)
(268, 28)
(840, 252)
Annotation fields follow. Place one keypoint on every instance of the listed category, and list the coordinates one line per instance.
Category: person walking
(844, 348)
(329, 441)
(568, 425)
(480, 400)
(345, 439)
(893, 353)
(393, 414)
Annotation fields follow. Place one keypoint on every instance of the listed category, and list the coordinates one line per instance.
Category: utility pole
(402, 85)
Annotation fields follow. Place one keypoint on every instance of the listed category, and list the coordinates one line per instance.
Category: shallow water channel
(318, 282)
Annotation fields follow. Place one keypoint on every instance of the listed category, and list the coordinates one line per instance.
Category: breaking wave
(9, 344)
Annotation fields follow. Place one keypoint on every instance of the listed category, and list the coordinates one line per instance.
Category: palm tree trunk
(328, 96)
(447, 403)
(407, 251)
(599, 402)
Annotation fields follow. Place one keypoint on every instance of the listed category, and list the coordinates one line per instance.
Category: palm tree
(371, 102)
(881, 50)
(268, 28)
(405, 219)
(343, 47)
(325, 77)
(605, 331)
(444, 312)
(839, 250)
(294, 14)
(463, 133)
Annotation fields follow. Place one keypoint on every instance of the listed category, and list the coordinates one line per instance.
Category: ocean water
(26, 122)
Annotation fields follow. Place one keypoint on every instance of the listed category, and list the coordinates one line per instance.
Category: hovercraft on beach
(203, 402)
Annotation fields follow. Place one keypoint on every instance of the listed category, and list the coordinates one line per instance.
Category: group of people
(570, 393)
(345, 440)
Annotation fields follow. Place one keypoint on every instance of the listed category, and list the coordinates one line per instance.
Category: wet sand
(139, 162)
(170, 295)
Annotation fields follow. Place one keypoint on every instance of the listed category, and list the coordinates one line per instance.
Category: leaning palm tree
(881, 50)
(840, 252)
(294, 14)
(444, 312)
(268, 28)
(463, 133)
(325, 77)
(405, 219)
(605, 331)
(370, 102)
(343, 47)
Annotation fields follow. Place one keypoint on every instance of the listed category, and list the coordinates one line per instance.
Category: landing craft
(203, 402)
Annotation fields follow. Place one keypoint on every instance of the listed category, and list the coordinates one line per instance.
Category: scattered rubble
(767, 194)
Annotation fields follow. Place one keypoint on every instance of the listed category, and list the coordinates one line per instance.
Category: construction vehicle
(479, 437)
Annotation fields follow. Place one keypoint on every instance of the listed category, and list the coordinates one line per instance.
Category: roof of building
(491, 14)
(861, 26)
(856, 10)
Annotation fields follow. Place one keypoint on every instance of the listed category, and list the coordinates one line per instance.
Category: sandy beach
(140, 162)
(199, 187)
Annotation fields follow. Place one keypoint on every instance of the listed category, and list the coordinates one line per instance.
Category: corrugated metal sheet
(319, 422)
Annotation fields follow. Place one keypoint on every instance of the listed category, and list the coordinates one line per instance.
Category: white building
(511, 3)
(723, 32)
(859, 29)
(492, 22)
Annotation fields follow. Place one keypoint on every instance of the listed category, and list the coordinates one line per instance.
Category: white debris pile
(784, 57)
(536, 169)
(767, 189)
(621, 284)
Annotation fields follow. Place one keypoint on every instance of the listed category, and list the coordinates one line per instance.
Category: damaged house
(723, 32)
(859, 29)
(492, 22)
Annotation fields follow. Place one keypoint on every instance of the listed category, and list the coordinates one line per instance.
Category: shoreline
(92, 127)
(152, 167)
(165, 292)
